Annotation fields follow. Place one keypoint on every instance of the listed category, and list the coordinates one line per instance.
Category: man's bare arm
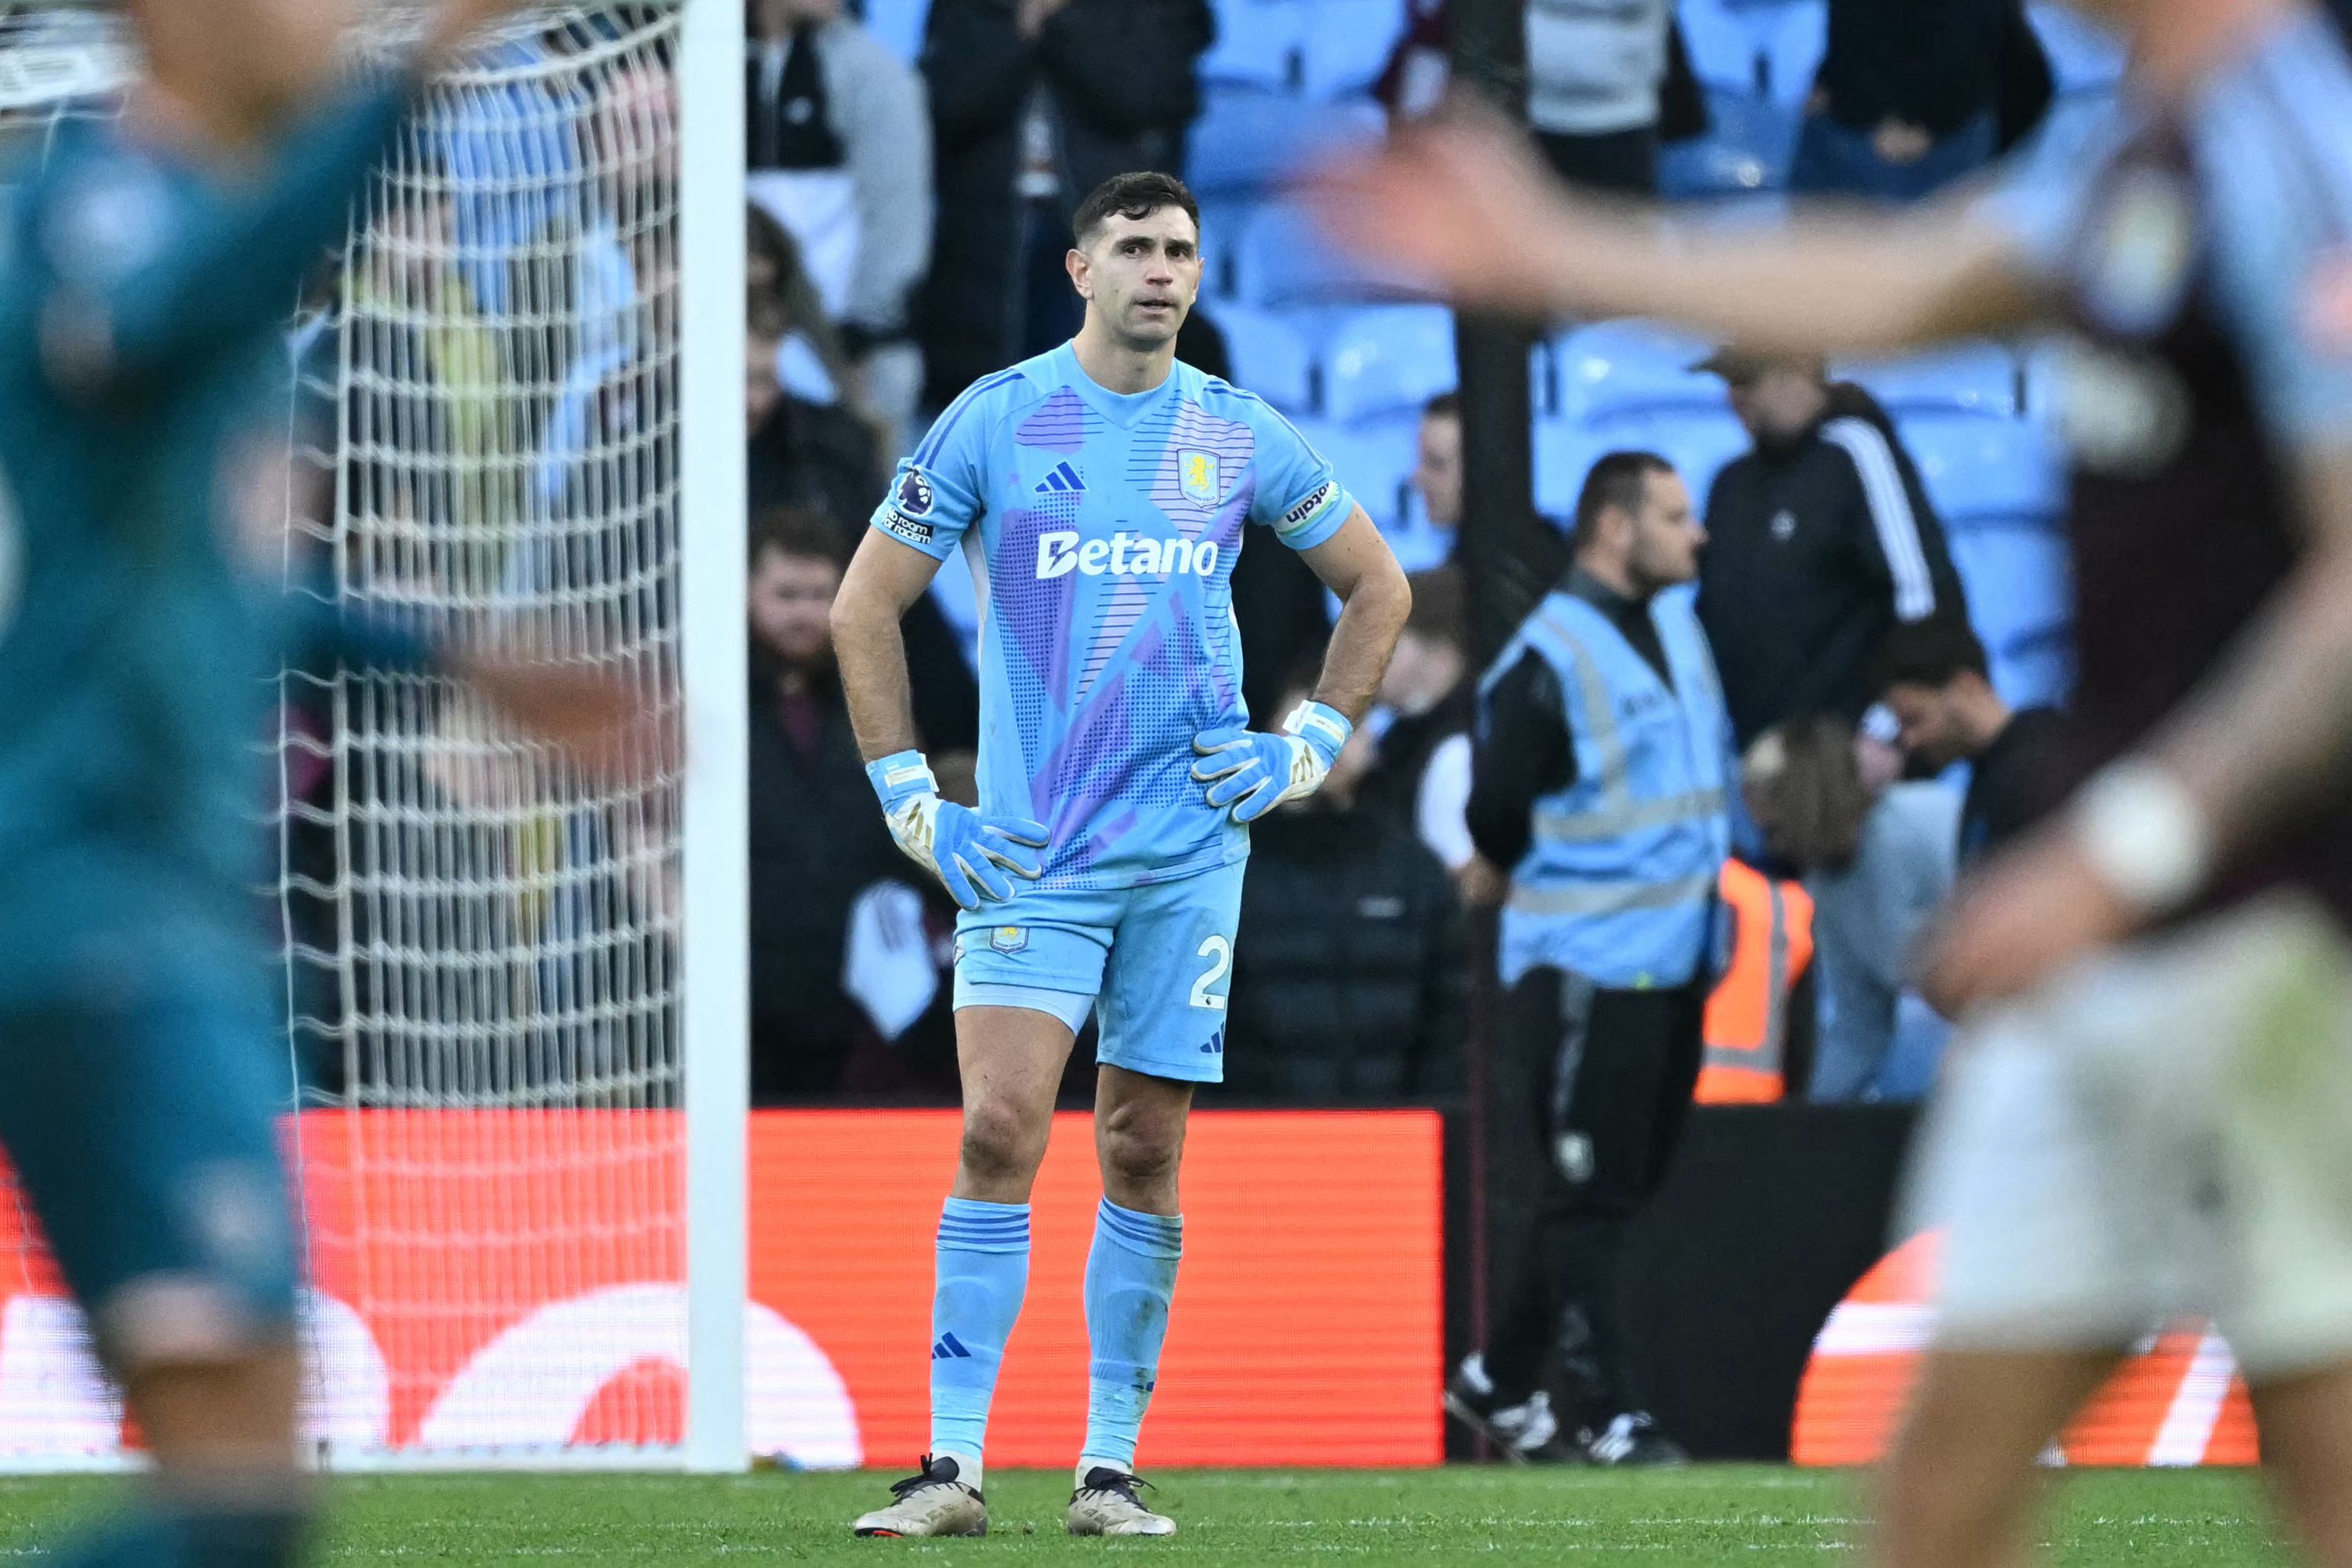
(2272, 726)
(1356, 564)
(884, 579)
(1467, 207)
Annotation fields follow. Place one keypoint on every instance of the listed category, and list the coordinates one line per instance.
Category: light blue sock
(1130, 1276)
(983, 1272)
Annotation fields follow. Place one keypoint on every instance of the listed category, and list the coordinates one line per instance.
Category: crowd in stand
(908, 222)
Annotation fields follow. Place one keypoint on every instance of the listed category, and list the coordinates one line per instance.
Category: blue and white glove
(1253, 772)
(968, 852)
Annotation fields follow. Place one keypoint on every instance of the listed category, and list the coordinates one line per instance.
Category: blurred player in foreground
(143, 405)
(1099, 494)
(2152, 1112)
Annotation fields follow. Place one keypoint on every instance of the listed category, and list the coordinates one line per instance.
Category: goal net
(484, 949)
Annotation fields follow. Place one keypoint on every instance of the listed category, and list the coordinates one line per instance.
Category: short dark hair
(1617, 480)
(1932, 653)
(1135, 196)
(1445, 406)
(798, 531)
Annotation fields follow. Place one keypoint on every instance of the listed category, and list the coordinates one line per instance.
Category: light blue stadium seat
(1286, 261)
(2037, 670)
(899, 24)
(1258, 46)
(1248, 138)
(1971, 378)
(1564, 453)
(1346, 43)
(1749, 145)
(1615, 368)
(1373, 458)
(1985, 473)
(2084, 57)
(1389, 359)
(1271, 357)
(1224, 221)
(2020, 588)
(1725, 45)
(1698, 445)
(1795, 37)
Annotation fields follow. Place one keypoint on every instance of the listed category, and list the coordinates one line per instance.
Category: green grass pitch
(1460, 1515)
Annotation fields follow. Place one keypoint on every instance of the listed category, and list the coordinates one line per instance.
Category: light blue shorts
(1158, 961)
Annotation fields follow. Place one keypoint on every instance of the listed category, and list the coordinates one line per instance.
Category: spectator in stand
(815, 844)
(1428, 540)
(1877, 856)
(1912, 97)
(1035, 103)
(1595, 68)
(1349, 979)
(841, 154)
(1420, 773)
(817, 456)
(1933, 676)
(1820, 539)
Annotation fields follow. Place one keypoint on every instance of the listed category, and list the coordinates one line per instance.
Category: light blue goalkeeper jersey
(1101, 531)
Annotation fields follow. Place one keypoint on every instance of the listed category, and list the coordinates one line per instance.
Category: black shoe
(1631, 1439)
(1523, 1433)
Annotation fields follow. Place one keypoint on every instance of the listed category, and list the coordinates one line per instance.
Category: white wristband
(2145, 836)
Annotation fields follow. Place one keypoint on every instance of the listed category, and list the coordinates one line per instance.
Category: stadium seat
(2019, 588)
(1795, 37)
(1373, 458)
(1258, 46)
(1248, 138)
(1285, 260)
(1615, 368)
(1271, 357)
(1749, 145)
(1985, 473)
(1224, 221)
(1973, 378)
(899, 24)
(1564, 453)
(1726, 46)
(1346, 43)
(1697, 444)
(2084, 57)
(1389, 359)
(2037, 670)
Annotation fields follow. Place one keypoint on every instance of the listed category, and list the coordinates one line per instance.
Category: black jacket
(1347, 974)
(817, 840)
(1119, 76)
(1813, 552)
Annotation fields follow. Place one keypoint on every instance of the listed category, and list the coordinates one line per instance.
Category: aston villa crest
(1198, 476)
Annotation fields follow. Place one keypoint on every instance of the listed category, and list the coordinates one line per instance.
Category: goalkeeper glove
(1253, 772)
(968, 852)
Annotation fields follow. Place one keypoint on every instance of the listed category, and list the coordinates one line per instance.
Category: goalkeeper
(1098, 493)
(143, 402)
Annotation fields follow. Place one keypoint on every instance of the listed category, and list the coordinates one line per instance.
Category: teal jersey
(1101, 531)
(144, 413)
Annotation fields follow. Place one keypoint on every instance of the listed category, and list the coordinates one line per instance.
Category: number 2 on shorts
(1220, 953)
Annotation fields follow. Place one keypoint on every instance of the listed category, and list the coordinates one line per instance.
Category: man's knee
(1002, 1141)
(1141, 1148)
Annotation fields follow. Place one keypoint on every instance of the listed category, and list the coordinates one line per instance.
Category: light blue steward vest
(1618, 883)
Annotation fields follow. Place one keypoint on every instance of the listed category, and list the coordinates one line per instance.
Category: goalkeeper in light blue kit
(1099, 493)
(145, 275)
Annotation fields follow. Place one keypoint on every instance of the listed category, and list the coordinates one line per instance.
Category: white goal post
(516, 997)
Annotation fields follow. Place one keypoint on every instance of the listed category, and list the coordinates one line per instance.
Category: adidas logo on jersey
(1063, 478)
(1123, 555)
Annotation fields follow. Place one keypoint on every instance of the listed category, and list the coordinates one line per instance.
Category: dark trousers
(1622, 162)
(1590, 1091)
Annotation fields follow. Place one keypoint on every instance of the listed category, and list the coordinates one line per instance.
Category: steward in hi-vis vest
(1599, 780)
(1754, 1012)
